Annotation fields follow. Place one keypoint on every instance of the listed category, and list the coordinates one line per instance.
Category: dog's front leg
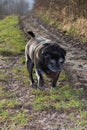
(54, 82)
(40, 78)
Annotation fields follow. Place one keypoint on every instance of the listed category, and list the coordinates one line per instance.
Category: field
(25, 108)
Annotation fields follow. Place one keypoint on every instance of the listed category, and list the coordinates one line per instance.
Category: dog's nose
(53, 63)
(60, 68)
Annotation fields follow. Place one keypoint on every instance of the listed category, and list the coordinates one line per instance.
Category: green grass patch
(18, 119)
(20, 72)
(11, 37)
(63, 76)
(8, 103)
(22, 60)
(84, 114)
(65, 99)
(62, 99)
(12, 43)
(10, 115)
(3, 75)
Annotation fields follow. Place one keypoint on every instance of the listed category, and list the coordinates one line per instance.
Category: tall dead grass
(69, 16)
(77, 27)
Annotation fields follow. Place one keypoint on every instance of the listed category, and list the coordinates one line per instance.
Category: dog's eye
(47, 56)
(53, 62)
(61, 60)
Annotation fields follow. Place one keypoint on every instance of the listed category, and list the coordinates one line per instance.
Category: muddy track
(16, 86)
(76, 58)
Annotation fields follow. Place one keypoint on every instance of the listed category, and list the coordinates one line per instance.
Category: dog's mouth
(53, 74)
(54, 69)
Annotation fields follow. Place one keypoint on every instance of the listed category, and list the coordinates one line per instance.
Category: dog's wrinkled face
(54, 59)
(54, 62)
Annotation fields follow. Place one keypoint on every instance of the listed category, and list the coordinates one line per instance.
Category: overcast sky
(31, 2)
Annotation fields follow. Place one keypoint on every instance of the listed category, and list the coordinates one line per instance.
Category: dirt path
(17, 97)
(76, 58)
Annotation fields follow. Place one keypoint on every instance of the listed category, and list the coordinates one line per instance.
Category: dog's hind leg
(30, 66)
(54, 82)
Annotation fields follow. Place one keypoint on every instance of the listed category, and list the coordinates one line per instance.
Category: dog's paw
(33, 85)
(41, 87)
(54, 88)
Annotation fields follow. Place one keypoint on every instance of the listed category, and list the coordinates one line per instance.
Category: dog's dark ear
(63, 51)
(31, 33)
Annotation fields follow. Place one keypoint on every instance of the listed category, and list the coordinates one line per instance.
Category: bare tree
(14, 7)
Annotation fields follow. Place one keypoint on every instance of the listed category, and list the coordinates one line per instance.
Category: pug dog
(47, 57)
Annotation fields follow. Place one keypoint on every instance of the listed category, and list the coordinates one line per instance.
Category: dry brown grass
(67, 15)
(77, 27)
(72, 25)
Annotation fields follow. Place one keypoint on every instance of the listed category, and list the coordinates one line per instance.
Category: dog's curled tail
(31, 34)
